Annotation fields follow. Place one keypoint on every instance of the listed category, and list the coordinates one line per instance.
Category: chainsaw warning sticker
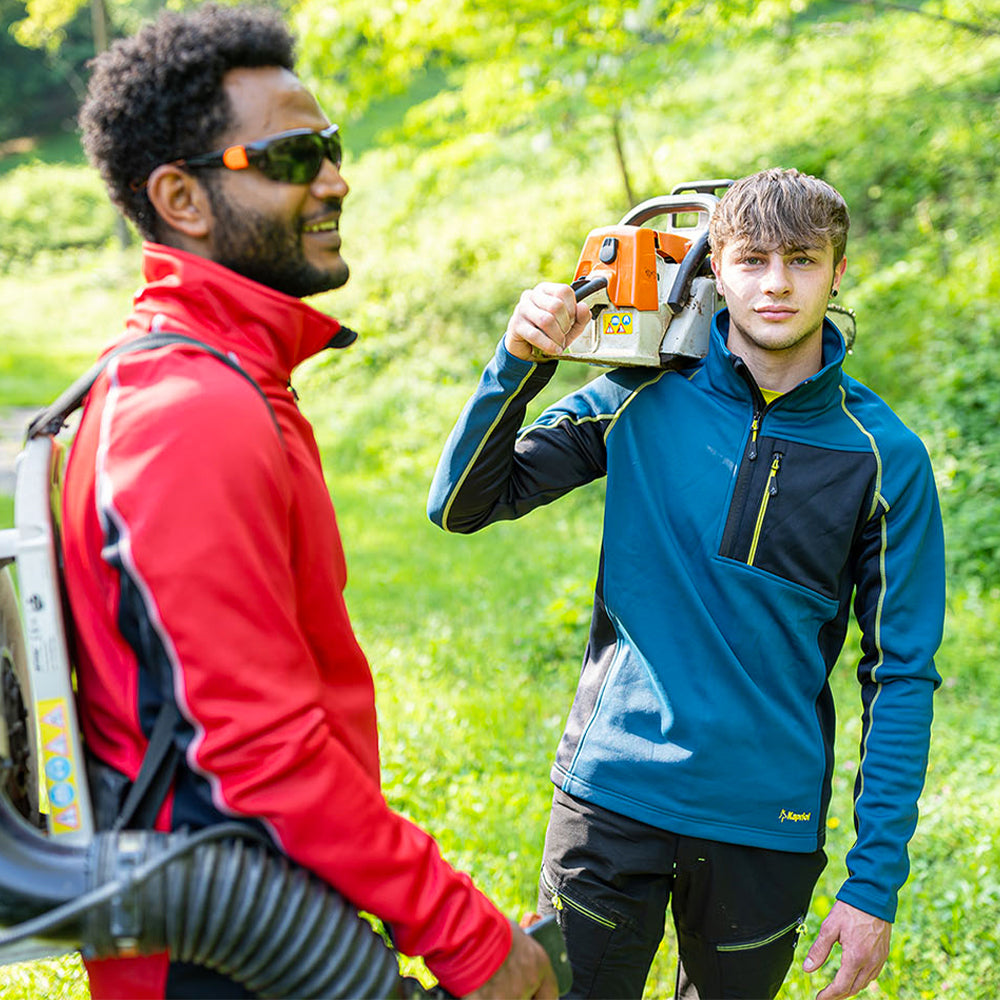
(616, 322)
(58, 765)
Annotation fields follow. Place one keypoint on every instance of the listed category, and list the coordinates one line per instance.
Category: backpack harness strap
(159, 764)
(53, 417)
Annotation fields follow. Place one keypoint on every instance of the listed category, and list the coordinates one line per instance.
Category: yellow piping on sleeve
(877, 500)
(482, 444)
(612, 417)
(566, 417)
(877, 494)
(878, 662)
(631, 396)
(594, 418)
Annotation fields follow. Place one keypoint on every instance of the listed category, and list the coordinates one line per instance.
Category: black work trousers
(737, 911)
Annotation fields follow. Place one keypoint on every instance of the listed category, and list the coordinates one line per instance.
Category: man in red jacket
(201, 550)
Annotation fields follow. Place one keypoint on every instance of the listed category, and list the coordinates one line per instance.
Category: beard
(769, 343)
(267, 250)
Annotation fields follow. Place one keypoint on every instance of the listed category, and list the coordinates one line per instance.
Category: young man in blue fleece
(751, 497)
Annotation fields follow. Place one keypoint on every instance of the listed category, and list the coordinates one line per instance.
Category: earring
(833, 294)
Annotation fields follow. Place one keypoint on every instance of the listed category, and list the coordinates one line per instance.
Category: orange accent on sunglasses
(236, 158)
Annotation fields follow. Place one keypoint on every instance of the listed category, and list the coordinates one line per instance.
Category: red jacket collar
(185, 293)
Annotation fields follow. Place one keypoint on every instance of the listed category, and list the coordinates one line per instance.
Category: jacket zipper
(560, 902)
(754, 428)
(795, 925)
(759, 403)
(740, 509)
(770, 490)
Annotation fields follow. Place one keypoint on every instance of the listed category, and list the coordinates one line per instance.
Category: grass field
(476, 642)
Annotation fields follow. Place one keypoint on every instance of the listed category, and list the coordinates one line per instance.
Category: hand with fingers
(525, 973)
(547, 317)
(864, 947)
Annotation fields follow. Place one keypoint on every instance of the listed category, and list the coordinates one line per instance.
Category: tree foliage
(36, 86)
(542, 64)
(45, 21)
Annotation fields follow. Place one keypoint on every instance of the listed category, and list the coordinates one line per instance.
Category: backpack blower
(222, 897)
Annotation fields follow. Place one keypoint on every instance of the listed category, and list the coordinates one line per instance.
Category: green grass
(476, 642)
(59, 310)
(63, 978)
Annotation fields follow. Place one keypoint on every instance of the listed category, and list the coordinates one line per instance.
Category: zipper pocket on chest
(770, 490)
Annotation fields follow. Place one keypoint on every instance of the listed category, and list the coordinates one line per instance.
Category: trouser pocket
(771, 940)
(559, 900)
(753, 969)
(589, 931)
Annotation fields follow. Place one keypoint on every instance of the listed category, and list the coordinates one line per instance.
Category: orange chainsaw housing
(632, 273)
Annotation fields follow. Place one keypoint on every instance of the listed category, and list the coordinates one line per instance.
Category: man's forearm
(473, 482)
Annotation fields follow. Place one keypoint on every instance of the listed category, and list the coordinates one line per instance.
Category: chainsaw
(651, 292)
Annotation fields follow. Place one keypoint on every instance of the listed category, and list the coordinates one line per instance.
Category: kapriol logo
(794, 817)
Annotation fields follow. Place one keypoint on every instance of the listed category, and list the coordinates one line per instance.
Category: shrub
(50, 207)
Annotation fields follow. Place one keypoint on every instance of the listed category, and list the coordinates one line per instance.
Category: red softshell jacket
(204, 564)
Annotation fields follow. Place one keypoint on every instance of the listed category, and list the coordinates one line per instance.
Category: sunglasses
(294, 157)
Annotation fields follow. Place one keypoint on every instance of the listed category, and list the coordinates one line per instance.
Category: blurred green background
(483, 141)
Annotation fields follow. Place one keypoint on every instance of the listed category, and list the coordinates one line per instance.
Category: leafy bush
(51, 207)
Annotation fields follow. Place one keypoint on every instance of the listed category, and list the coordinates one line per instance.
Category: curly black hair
(158, 96)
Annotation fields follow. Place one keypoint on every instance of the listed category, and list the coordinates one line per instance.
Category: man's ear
(716, 267)
(838, 274)
(180, 201)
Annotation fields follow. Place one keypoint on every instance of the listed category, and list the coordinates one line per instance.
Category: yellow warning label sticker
(617, 322)
(59, 766)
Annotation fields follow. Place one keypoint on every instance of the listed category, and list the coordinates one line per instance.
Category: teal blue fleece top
(736, 536)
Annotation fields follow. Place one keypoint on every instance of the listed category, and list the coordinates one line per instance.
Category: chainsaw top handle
(671, 204)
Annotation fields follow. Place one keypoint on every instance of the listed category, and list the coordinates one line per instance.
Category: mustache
(331, 207)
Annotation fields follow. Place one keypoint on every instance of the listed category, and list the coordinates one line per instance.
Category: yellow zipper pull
(773, 478)
(754, 427)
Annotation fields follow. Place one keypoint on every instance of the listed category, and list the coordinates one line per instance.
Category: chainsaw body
(657, 299)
